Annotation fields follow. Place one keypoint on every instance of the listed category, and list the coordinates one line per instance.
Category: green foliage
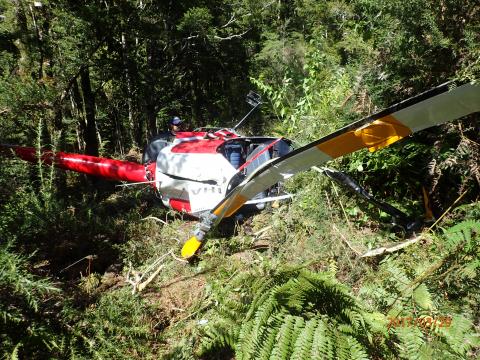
(38, 320)
(320, 65)
(465, 234)
(402, 287)
(297, 314)
(115, 327)
(23, 300)
(196, 21)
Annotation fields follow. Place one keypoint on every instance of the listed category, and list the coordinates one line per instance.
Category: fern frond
(460, 335)
(400, 279)
(217, 338)
(266, 341)
(304, 342)
(14, 354)
(355, 318)
(282, 349)
(266, 310)
(262, 287)
(411, 340)
(349, 348)
(470, 270)
(323, 342)
(300, 318)
(462, 233)
(422, 297)
(245, 342)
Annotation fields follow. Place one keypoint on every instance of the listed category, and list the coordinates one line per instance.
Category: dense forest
(103, 77)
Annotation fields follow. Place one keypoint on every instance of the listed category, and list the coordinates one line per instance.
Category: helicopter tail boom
(91, 165)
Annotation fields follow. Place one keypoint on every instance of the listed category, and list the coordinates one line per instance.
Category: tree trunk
(150, 105)
(90, 135)
(21, 41)
(77, 110)
(128, 82)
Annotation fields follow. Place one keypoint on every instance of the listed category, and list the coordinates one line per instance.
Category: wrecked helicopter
(212, 173)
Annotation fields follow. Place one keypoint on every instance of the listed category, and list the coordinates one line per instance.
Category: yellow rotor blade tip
(190, 247)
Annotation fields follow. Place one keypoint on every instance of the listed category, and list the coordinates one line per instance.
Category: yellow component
(428, 210)
(231, 205)
(190, 247)
(374, 136)
(382, 133)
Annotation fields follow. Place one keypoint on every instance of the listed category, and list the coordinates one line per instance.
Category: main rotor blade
(433, 107)
(444, 103)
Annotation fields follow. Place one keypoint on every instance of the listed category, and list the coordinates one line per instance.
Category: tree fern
(348, 348)
(422, 297)
(410, 342)
(459, 335)
(266, 341)
(300, 314)
(470, 269)
(219, 338)
(403, 286)
(245, 342)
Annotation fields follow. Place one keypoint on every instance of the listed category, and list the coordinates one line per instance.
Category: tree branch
(235, 36)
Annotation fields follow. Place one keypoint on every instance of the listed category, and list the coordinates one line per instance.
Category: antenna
(254, 100)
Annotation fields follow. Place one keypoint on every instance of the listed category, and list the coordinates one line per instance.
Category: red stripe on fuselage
(256, 156)
(187, 134)
(198, 147)
(180, 205)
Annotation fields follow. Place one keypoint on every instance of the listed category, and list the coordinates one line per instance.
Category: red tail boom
(86, 164)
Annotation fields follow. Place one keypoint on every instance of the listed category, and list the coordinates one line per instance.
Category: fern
(300, 314)
(282, 349)
(303, 344)
(266, 342)
(410, 342)
(309, 315)
(349, 348)
(462, 234)
(422, 297)
(14, 354)
(404, 289)
(322, 347)
(460, 335)
(470, 269)
(219, 338)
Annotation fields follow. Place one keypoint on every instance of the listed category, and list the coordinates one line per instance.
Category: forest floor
(101, 250)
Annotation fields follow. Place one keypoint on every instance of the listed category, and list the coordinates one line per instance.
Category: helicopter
(212, 173)
(192, 172)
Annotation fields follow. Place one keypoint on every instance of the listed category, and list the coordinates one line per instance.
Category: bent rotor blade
(433, 107)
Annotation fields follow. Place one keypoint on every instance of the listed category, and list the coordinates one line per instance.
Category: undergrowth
(289, 283)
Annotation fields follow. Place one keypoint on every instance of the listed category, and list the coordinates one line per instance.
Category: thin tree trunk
(90, 136)
(151, 112)
(128, 81)
(21, 41)
(77, 109)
